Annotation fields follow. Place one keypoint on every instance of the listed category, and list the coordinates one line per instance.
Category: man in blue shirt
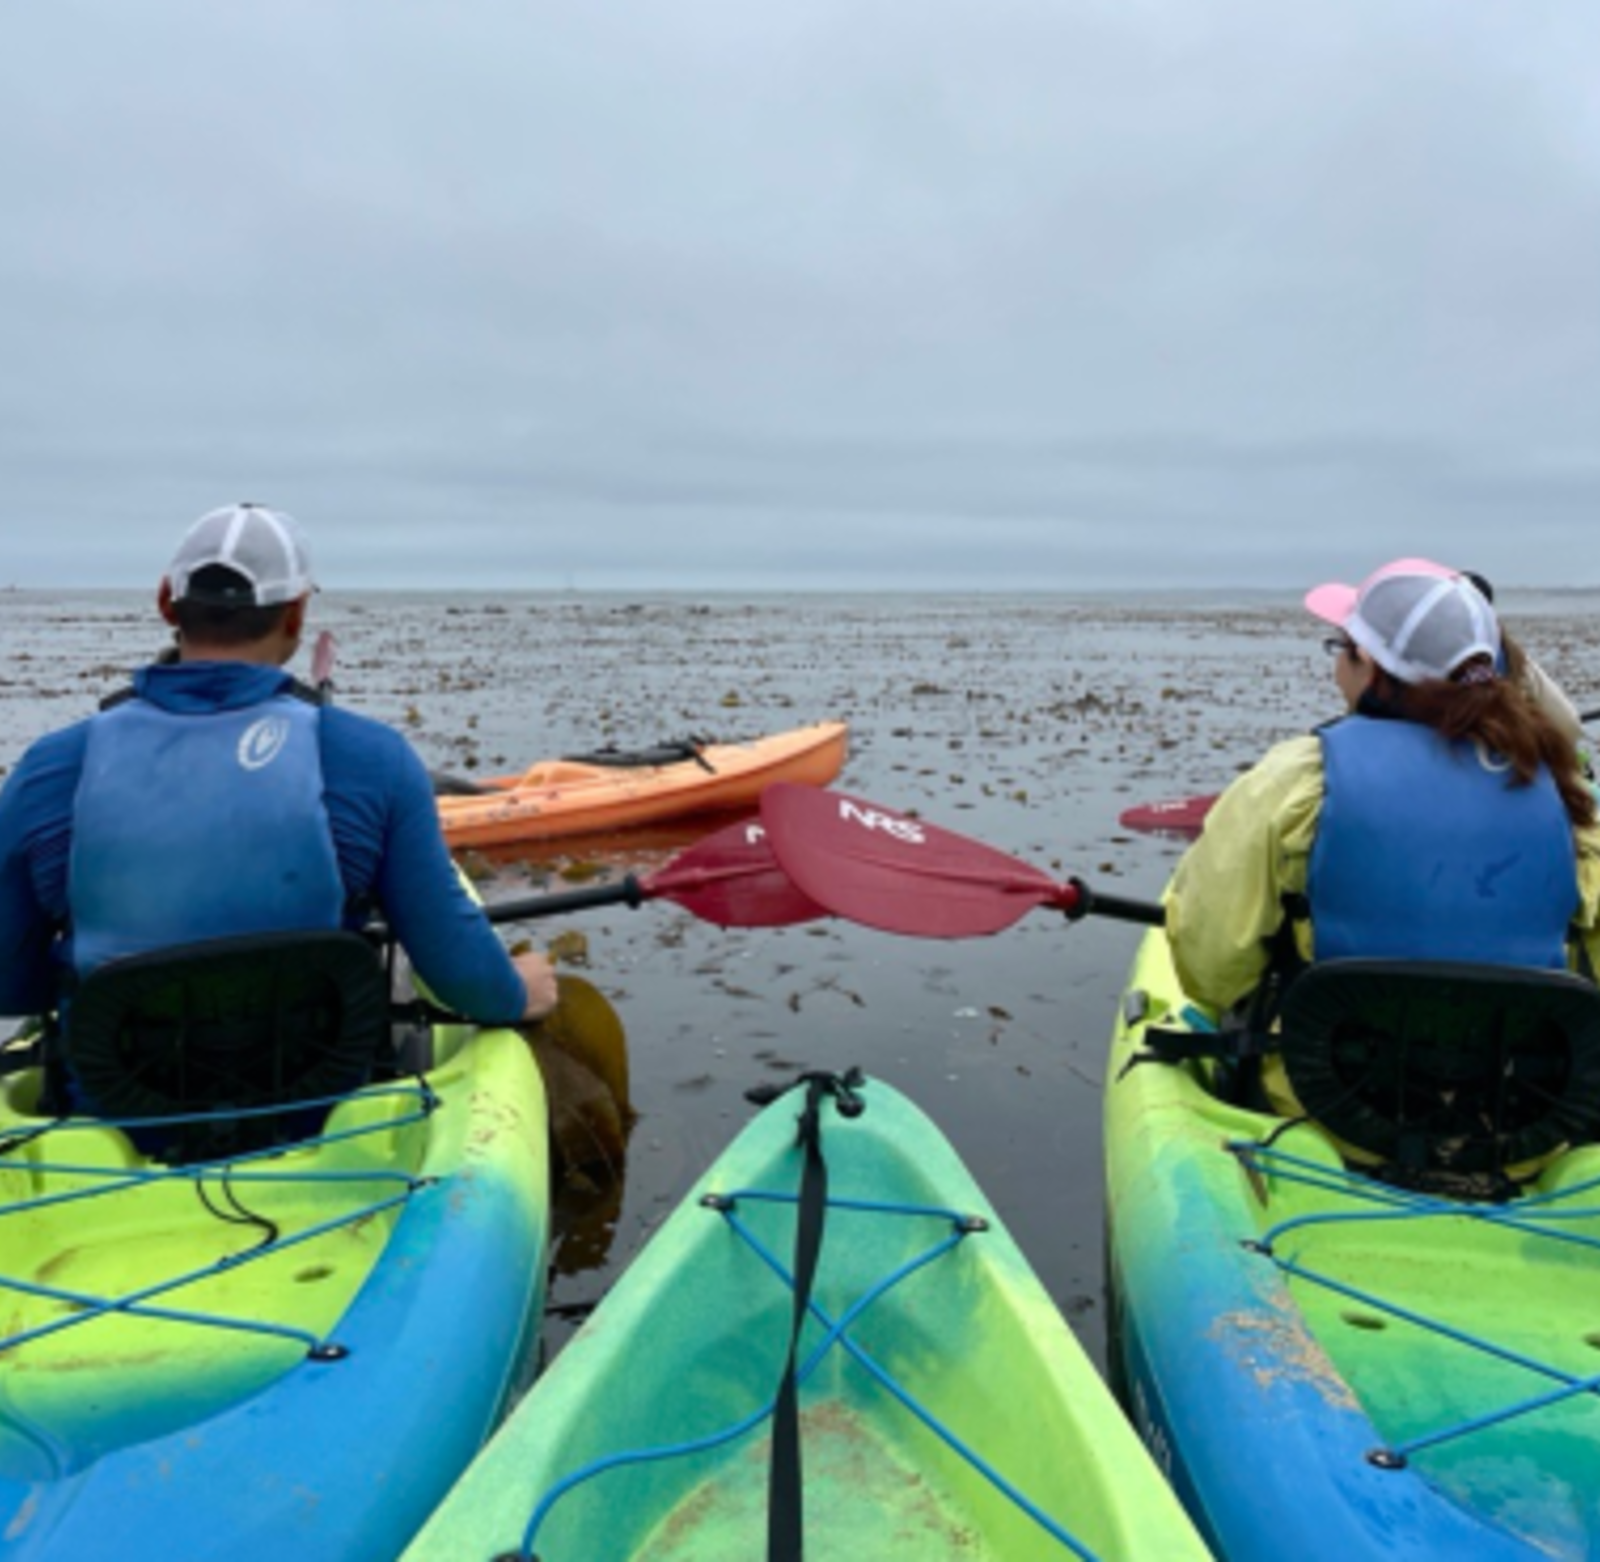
(218, 797)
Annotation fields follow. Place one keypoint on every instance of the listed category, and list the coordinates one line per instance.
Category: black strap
(1170, 1045)
(296, 690)
(785, 1485)
(1247, 1033)
(673, 751)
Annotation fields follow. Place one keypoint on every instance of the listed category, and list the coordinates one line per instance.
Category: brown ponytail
(1495, 712)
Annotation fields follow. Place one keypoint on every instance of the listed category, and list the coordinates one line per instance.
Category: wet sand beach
(1026, 722)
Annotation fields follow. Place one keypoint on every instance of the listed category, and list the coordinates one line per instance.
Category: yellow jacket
(1226, 897)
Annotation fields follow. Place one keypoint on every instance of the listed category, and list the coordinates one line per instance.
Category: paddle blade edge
(899, 874)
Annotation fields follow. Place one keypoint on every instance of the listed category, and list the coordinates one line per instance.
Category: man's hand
(539, 977)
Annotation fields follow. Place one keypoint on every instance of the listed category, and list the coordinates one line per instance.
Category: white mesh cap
(1413, 620)
(265, 548)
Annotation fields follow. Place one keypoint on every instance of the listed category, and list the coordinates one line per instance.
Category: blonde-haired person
(1444, 817)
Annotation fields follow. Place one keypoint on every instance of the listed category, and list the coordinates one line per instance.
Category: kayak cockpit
(1418, 1332)
(138, 1298)
(201, 1233)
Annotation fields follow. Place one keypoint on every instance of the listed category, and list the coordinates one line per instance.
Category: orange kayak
(611, 792)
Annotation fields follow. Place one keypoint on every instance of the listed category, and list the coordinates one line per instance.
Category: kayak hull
(685, 1354)
(1309, 1353)
(569, 797)
(214, 1439)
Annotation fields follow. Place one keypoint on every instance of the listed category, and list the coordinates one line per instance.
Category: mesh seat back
(264, 1021)
(1438, 1066)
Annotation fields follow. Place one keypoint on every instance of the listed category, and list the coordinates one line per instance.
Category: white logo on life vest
(907, 830)
(263, 741)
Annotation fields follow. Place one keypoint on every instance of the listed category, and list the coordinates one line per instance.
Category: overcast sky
(745, 293)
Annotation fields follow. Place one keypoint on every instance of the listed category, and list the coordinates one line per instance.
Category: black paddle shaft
(1091, 903)
(627, 891)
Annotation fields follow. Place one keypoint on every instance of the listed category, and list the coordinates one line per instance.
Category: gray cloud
(1038, 292)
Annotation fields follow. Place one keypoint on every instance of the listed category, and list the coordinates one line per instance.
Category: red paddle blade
(732, 878)
(1176, 816)
(890, 871)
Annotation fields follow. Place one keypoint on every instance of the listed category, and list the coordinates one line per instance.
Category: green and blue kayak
(1333, 1366)
(944, 1407)
(292, 1353)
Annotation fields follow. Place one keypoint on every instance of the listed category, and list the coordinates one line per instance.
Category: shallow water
(1026, 722)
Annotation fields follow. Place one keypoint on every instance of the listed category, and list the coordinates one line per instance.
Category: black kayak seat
(676, 751)
(268, 1020)
(1437, 1066)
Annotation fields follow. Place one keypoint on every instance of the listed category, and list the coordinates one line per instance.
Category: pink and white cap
(1416, 619)
(264, 548)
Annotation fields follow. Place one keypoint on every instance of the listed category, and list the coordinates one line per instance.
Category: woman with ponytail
(1444, 817)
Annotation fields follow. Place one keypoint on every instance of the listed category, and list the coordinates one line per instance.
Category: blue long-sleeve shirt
(385, 826)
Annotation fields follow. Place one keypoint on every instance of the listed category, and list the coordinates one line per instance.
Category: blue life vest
(1425, 852)
(199, 825)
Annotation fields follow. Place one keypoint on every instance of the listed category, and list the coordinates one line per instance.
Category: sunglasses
(1339, 645)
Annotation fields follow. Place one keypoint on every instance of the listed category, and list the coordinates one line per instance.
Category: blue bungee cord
(835, 1333)
(1394, 1204)
(88, 1306)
